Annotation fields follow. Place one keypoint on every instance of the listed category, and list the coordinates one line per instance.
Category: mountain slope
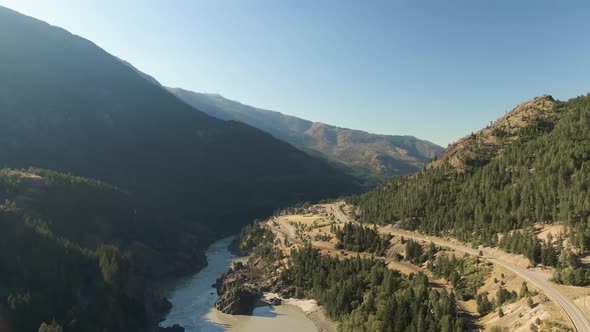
(67, 105)
(478, 148)
(500, 179)
(147, 77)
(63, 255)
(363, 152)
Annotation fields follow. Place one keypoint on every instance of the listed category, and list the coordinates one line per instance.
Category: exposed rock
(274, 301)
(240, 288)
(173, 328)
(236, 294)
(237, 301)
(230, 277)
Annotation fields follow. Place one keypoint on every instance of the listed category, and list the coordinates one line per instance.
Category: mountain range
(358, 152)
(370, 156)
(68, 105)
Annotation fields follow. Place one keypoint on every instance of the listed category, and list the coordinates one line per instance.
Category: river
(193, 301)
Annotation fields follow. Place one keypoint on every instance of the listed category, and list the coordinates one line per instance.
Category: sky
(435, 69)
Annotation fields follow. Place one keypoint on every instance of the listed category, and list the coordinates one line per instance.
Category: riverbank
(261, 282)
(310, 308)
(193, 297)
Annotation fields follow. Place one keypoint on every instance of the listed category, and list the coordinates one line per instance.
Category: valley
(127, 205)
(97, 160)
(193, 301)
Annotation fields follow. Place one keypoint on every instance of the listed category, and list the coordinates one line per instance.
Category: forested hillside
(67, 255)
(364, 295)
(539, 174)
(69, 106)
(361, 153)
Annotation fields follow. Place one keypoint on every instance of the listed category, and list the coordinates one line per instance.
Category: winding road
(541, 280)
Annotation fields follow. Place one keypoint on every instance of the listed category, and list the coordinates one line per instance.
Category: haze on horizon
(430, 70)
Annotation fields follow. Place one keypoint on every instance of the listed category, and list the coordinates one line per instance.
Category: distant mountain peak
(360, 152)
(481, 146)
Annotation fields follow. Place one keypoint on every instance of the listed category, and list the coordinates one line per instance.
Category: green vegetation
(360, 238)
(484, 306)
(466, 274)
(415, 253)
(570, 270)
(55, 263)
(364, 295)
(503, 296)
(538, 251)
(542, 176)
(258, 241)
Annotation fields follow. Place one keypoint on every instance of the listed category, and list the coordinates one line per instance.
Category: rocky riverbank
(237, 295)
(259, 282)
(241, 288)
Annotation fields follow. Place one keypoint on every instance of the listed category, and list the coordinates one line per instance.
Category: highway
(541, 280)
(335, 208)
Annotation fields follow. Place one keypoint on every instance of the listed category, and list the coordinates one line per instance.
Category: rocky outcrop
(237, 295)
(274, 301)
(237, 301)
(240, 289)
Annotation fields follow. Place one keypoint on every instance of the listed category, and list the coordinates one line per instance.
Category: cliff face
(236, 293)
(241, 287)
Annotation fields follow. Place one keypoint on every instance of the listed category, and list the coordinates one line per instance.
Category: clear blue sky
(424, 68)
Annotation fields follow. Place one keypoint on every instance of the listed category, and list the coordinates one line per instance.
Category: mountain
(530, 167)
(69, 106)
(359, 152)
(478, 148)
(147, 77)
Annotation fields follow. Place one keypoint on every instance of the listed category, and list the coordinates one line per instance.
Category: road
(538, 279)
(337, 212)
(541, 280)
(284, 228)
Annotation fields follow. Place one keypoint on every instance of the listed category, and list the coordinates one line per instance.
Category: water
(193, 299)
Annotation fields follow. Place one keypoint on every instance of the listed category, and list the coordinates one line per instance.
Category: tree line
(364, 295)
(360, 238)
